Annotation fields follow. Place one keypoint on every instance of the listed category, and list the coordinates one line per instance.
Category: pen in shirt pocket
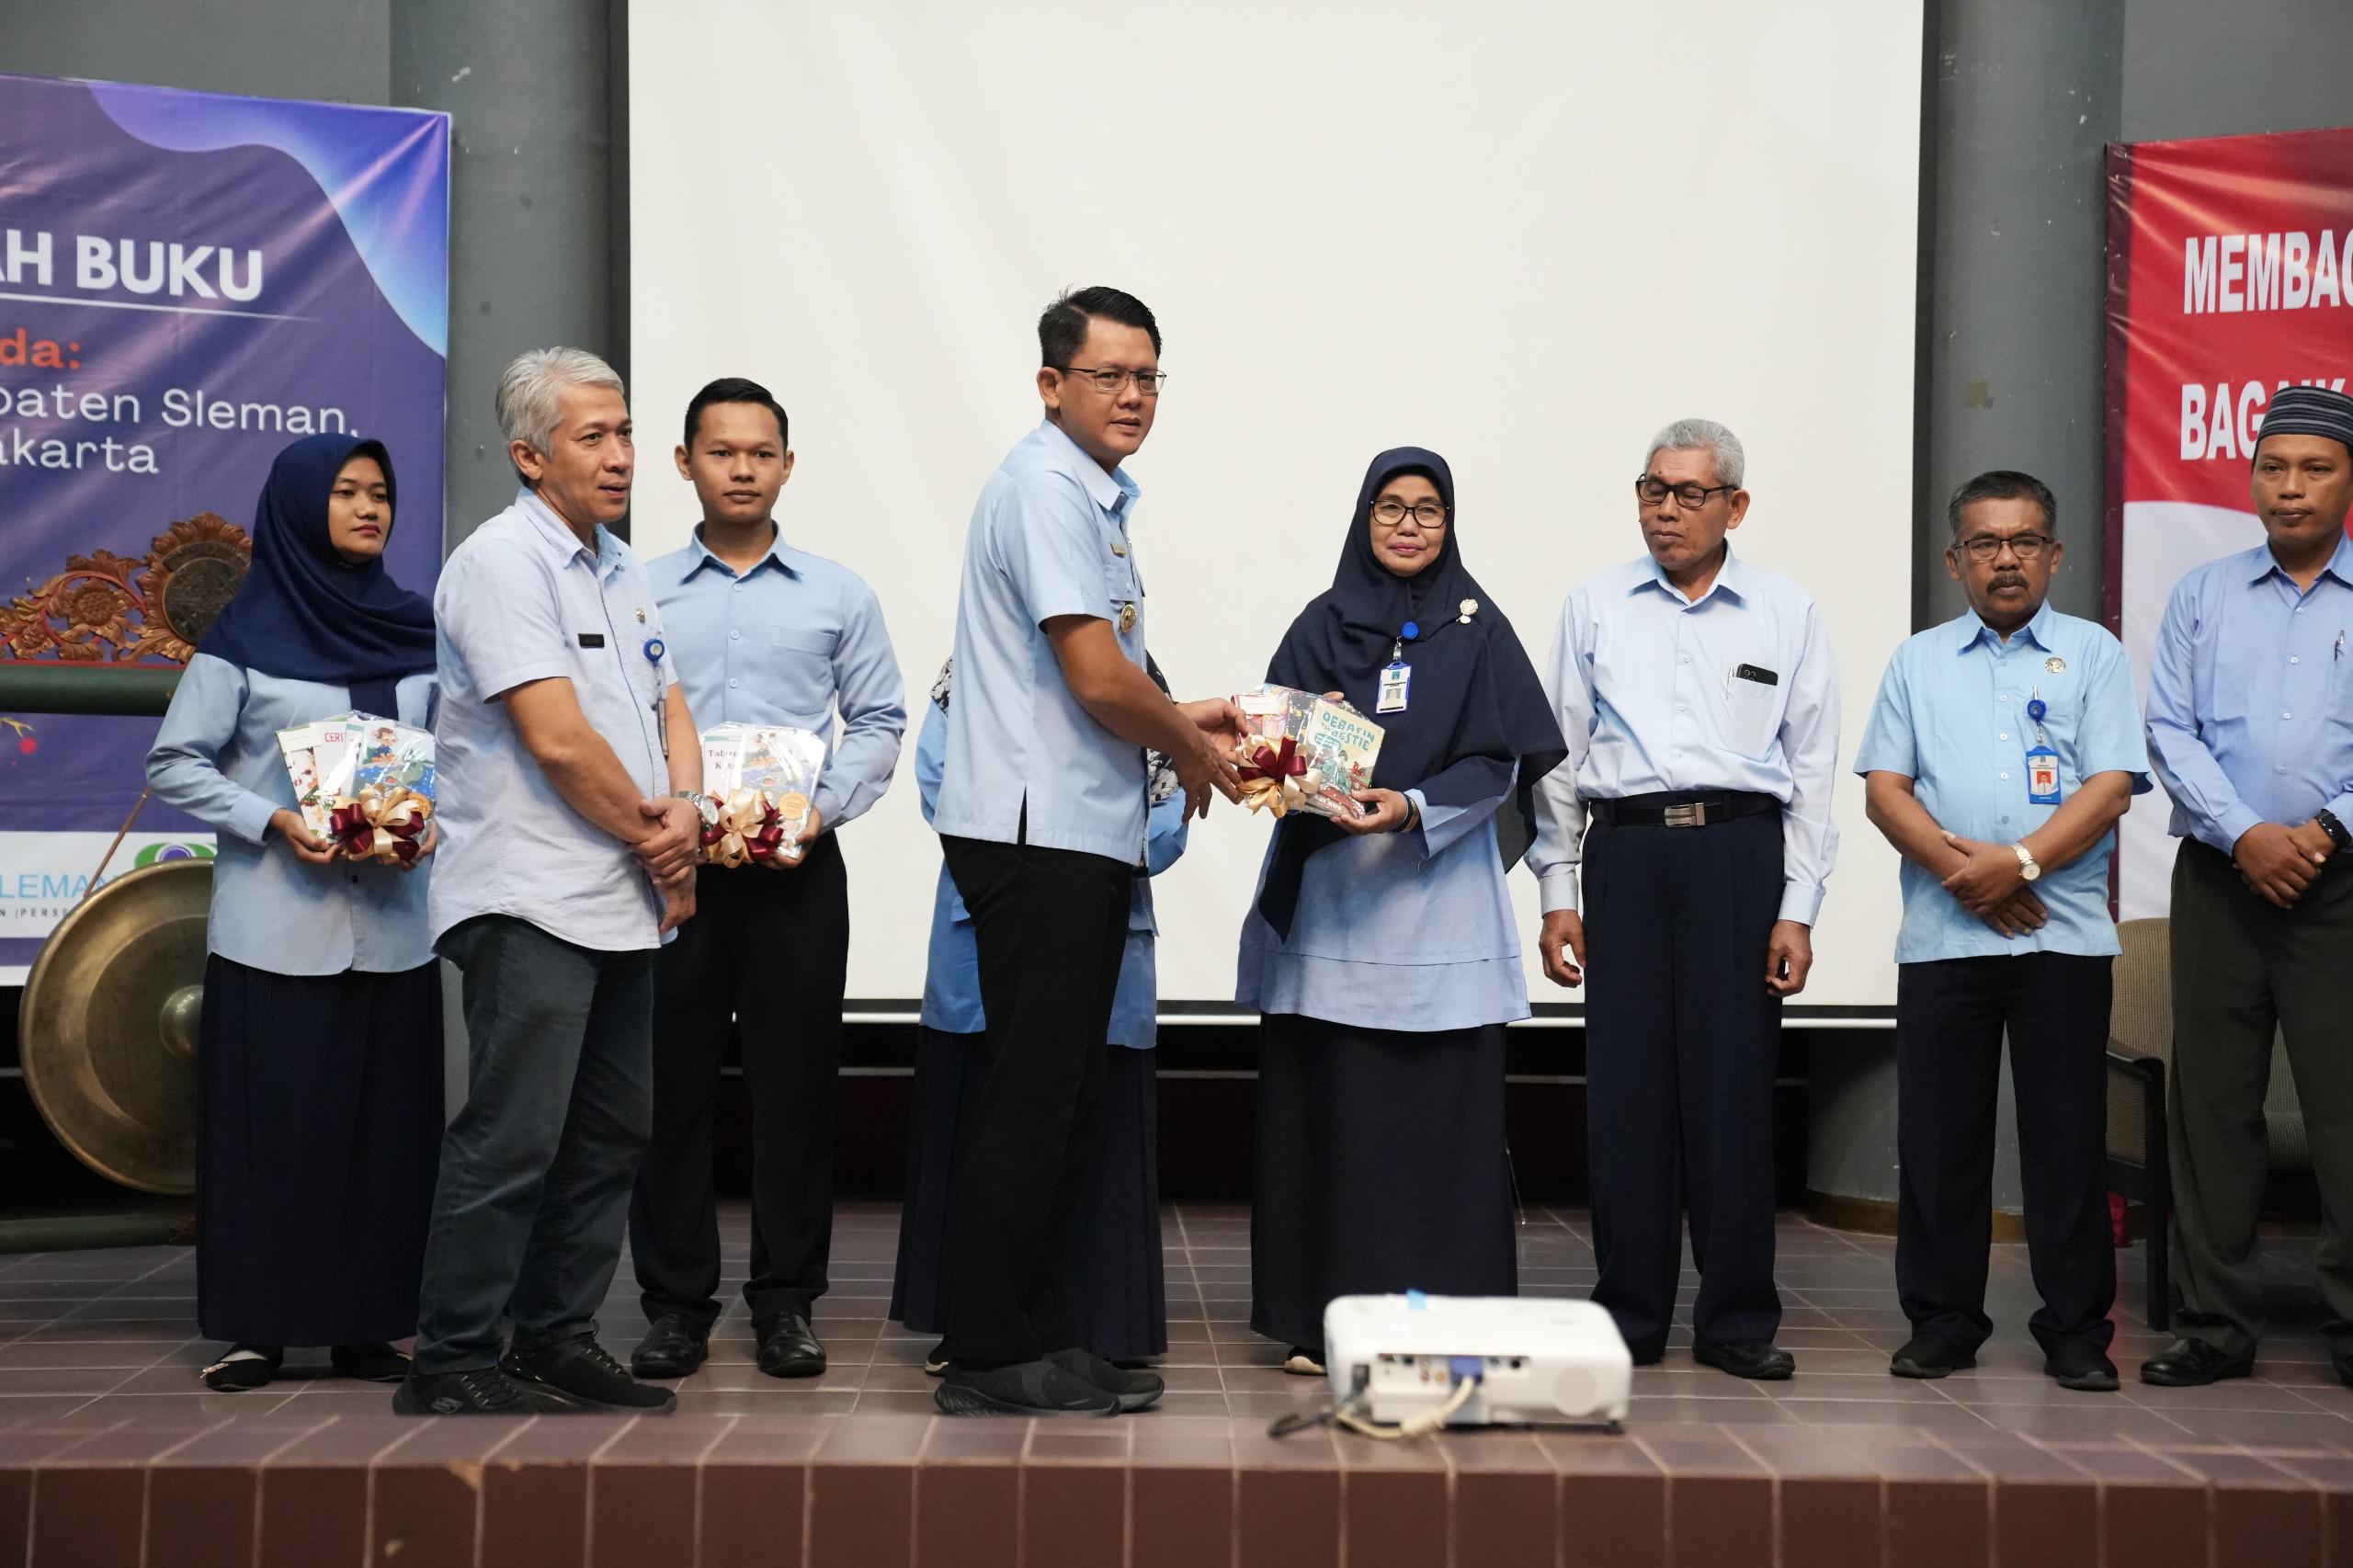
(2340, 647)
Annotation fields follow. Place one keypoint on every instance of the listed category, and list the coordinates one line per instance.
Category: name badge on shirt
(1396, 680)
(592, 640)
(2041, 762)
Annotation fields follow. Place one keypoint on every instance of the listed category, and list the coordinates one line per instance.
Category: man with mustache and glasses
(1697, 695)
(2251, 729)
(2000, 754)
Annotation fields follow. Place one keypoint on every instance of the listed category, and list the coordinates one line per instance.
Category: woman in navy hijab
(319, 1056)
(1382, 953)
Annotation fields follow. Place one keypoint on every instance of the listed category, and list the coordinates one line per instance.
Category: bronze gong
(107, 1032)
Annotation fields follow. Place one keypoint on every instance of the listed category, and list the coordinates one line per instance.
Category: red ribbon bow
(747, 827)
(1275, 762)
(382, 827)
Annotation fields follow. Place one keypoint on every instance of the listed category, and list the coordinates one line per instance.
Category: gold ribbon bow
(381, 825)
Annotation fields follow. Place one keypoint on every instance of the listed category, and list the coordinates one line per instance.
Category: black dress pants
(1682, 1041)
(1050, 926)
(1949, 1018)
(761, 966)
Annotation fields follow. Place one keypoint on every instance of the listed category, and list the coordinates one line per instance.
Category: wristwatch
(2335, 829)
(2029, 867)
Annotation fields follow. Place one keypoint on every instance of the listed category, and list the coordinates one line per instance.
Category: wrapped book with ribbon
(1305, 753)
(363, 784)
(759, 782)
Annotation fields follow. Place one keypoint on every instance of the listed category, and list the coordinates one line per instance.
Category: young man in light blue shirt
(2251, 729)
(762, 633)
(2003, 748)
(1041, 819)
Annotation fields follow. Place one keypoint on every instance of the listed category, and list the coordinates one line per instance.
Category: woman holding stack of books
(1382, 952)
(319, 1055)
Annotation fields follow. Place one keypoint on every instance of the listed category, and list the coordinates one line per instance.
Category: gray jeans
(536, 1169)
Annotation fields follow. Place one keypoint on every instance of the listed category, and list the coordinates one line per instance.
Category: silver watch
(2029, 867)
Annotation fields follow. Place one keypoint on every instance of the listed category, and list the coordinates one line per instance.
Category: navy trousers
(1682, 1041)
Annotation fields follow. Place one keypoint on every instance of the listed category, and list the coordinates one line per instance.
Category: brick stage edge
(112, 1453)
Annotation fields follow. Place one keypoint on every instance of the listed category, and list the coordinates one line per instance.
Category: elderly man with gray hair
(567, 763)
(1700, 706)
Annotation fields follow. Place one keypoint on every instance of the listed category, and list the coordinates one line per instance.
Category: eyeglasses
(1690, 497)
(1389, 514)
(1110, 383)
(1986, 547)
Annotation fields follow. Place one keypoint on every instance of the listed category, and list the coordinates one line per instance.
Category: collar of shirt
(1975, 630)
(1732, 578)
(2340, 564)
(780, 555)
(1114, 490)
(561, 542)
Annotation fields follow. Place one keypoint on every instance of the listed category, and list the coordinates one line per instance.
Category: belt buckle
(1691, 814)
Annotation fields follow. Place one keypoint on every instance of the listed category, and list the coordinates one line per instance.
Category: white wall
(1523, 234)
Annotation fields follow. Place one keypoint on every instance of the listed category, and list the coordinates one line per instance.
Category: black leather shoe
(673, 1347)
(581, 1370)
(1026, 1388)
(2076, 1365)
(1760, 1359)
(377, 1363)
(1135, 1389)
(789, 1349)
(2192, 1364)
(1925, 1355)
(935, 1360)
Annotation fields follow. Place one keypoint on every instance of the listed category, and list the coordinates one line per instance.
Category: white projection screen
(1525, 234)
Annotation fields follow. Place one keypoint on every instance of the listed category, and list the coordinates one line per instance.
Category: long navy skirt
(1111, 1259)
(1380, 1169)
(316, 1151)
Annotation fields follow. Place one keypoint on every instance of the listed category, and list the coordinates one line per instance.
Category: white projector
(1535, 1359)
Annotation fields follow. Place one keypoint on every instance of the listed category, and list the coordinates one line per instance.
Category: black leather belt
(1680, 808)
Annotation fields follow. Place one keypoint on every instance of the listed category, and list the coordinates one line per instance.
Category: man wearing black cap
(2251, 731)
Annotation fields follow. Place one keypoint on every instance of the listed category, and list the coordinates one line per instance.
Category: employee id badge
(2042, 776)
(1395, 681)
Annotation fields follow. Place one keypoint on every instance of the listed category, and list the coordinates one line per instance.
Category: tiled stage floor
(109, 1446)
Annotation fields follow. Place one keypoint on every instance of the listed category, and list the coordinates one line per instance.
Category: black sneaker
(673, 1347)
(1026, 1388)
(1135, 1390)
(1925, 1355)
(579, 1370)
(2073, 1364)
(484, 1391)
(377, 1363)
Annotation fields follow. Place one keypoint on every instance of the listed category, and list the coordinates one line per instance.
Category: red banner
(2230, 275)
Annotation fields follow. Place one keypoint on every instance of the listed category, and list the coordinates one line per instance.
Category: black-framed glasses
(1690, 496)
(1110, 383)
(1986, 547)
(1389, 514)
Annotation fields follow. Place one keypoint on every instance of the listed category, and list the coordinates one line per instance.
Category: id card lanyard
(2041, 762)
(1397, 676)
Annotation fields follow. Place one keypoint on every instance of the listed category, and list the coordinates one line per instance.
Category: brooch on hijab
(1469, 609)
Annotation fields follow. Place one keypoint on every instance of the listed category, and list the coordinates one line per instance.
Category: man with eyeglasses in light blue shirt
(761, 633)
(2003, 748)
(1700, 706)
(1042, 816)
(2251, 729)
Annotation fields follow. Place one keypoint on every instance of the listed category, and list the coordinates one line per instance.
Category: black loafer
(243, 1368)
(1026, 1388)
(1133, 1389)
(789, 1349)
(2192, 1364)
(582, 1371)
(1925, 1355)
(1759, 1359)
(673, 1347)
(935, 1360)
(377, 1363)
(2073, 1364)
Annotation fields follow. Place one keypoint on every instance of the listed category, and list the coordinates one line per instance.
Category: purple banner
(188, 282)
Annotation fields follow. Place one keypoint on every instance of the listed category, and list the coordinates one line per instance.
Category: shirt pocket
(1752, 716)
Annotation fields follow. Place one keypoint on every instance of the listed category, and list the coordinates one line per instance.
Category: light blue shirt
(216, 757)
(951, 981)
(2251, 696)
(1641, 680)
(785, 643)
(1951, 716)
(1408, 931)
(521, 601)
(1049, 538)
